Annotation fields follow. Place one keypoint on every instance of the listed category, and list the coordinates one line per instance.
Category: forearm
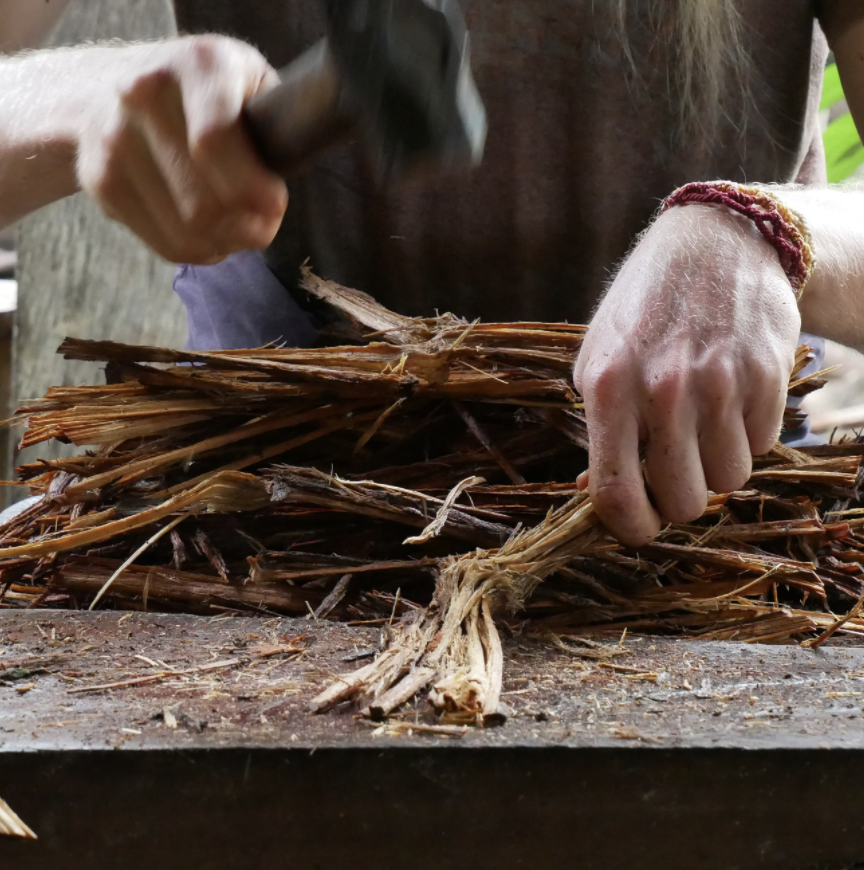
(833, 301)
(46, 99)
(50, 100)
(154, 132)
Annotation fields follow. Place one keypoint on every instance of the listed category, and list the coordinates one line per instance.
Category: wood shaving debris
(11, 824)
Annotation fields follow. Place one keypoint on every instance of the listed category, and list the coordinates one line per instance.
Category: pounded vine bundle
(419, 475)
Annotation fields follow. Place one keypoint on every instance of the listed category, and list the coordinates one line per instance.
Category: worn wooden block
(658, 754)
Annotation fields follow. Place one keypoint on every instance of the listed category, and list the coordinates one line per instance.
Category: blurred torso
(581, 149)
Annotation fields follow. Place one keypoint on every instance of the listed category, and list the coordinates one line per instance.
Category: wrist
(713, 263)
(705, 237)
(66, 92)
(780, 226)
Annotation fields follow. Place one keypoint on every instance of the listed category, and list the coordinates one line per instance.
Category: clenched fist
(688, 358)
(162, 148)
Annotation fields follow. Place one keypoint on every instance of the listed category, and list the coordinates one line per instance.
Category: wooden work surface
(673, 755)
(649, 692)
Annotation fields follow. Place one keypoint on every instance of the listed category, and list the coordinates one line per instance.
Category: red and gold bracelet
(784, 228)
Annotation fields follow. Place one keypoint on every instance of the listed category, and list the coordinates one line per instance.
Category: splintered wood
(418, 476)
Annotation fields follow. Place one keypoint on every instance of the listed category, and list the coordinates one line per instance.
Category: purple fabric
(239, 303)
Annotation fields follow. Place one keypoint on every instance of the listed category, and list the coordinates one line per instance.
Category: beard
(709, 66)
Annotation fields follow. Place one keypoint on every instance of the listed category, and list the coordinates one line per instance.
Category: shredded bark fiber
(418, 475)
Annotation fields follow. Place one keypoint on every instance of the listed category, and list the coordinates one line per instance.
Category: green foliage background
(843, 149)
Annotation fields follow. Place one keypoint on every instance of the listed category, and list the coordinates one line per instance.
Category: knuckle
(274, 205)
(668, 388)
(213, 53)
(768, 384)
(775, 366)
(146, 89)
(205, 51)
(718, 384)
(717, 371)
(772, 364)
(602, 380)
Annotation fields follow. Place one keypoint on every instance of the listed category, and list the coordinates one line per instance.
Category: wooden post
(79, 273)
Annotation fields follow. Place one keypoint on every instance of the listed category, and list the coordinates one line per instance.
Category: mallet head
(406, 72)
(399, 70)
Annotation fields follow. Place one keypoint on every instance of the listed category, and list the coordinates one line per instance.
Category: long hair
(709, 72)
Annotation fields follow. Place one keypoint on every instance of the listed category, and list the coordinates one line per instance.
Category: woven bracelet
(784, 228)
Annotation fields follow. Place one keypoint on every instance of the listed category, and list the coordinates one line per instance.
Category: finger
(154, 107)
(223, 152)
(725, 452)
(137, 214)
(763, 417)
(213, 101)
(117, 170)
(673, 467)
(157, 111)
(583, 481)
(146, 205)
(616, 484)
(179, 242)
